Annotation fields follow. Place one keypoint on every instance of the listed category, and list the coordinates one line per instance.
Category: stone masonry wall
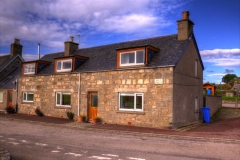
(157, 110)
(45, 88)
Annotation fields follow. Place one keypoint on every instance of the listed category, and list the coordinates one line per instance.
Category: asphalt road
(26, 141)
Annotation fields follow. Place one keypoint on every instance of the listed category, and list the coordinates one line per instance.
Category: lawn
(224, 98)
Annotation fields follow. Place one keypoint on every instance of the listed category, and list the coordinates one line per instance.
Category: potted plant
(95, 119)
(70, 115)
(81, 118)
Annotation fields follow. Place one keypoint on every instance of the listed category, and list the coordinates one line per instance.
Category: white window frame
(135, 94)
(62, 69)
(1, 96)
(135, 59)
(196, 68)
(26, 100)
(27, 71)
(61, 93)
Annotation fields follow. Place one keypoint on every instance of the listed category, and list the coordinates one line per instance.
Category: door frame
(89, 100)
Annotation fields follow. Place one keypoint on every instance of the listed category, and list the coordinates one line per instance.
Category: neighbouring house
(10, 70)
(154, 82)
(208, 89)
(236, 88)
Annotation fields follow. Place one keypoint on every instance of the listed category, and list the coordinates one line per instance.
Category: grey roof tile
(104, 57)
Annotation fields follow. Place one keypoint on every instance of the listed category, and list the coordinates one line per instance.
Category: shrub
(70, 115)
(39, 112)
(10, 109)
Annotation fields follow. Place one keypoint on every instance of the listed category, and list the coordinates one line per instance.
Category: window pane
(66, 99)
(59, 65)
(31, 68)
(140, 56)
(127, 58)
(94, 100)
(10, 96)
(127, 101)
(139, 101)
(25, 68)
(30, 96)
(58, 98)
(1, 96)
(67, 65)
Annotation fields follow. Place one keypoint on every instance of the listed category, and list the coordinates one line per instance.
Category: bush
(39, 112)
(70, 115)
(10, 109)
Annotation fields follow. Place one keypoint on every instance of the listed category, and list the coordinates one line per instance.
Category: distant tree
(229, 78)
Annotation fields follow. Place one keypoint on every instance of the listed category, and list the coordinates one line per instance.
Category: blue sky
(99, 22)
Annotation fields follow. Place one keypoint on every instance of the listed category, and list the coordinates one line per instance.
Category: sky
(100, 22)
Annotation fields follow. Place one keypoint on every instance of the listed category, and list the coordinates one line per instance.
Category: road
(25, 140)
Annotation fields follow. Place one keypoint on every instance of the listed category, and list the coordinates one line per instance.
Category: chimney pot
(71, 38)
(16, 41)
(185, 15)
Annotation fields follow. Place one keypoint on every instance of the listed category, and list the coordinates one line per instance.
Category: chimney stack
(16, 48)
(70, 46)
(185, 26)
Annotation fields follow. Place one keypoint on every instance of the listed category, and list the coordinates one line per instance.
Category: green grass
(230, 98)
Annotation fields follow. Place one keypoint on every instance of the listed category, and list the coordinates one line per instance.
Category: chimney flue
(185, 15)
(38, 51)
(71, 38)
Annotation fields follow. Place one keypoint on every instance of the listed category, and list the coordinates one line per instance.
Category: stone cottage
(154, 82)
(10, 69)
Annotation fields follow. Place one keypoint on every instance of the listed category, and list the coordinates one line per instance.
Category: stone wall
(213, 102)
(44, 89)
(157, 110)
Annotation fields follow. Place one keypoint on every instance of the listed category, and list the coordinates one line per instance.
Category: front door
(10, 97)
(93, 104)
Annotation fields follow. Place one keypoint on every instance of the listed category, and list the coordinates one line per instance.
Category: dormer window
(68, 63)
(64, 65)
(29, 68)
(132, 58)
(34, 67)
(136, 56)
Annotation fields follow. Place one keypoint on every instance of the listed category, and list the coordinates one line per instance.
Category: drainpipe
(38, 51)
(79, 92)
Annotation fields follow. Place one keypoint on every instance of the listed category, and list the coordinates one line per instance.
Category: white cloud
(222, 57)
(55, 20)
(216, 75)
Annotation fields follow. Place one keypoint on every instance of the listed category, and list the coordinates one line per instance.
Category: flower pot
(94, 120)
(81, 119)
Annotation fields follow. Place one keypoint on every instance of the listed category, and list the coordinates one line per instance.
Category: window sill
(62, 107)
(27, 102)
(131, 112)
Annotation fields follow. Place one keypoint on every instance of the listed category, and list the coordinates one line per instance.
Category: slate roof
(14, 75)
(104, 57)
(3, 60)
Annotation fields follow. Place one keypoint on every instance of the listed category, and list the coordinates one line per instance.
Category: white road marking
(12, 139)
(98, 157)
(135, 158)
(110, 155)
(24, 141)
(84, 151)
(59, 147)
(55, 151)
(74, 154)
(41, 144)
(13, 143)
